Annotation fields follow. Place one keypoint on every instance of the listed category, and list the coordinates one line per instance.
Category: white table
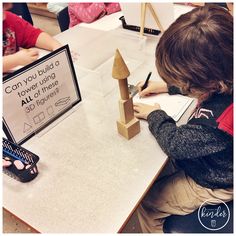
(90, 178)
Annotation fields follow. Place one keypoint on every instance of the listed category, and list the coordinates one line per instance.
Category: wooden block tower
(128, 126)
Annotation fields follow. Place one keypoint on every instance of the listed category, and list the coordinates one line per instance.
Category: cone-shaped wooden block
(120, 70)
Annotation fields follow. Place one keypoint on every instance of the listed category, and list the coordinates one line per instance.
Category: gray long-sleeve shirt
(202, 150)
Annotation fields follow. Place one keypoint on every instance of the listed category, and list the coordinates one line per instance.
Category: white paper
(173, 105)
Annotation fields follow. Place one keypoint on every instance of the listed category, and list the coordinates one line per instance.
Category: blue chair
(63, 19)
(21, 9)
(191, 224)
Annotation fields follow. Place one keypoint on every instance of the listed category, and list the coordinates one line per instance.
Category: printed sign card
(39, 93)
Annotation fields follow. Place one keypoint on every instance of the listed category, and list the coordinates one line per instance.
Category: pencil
(146, 81)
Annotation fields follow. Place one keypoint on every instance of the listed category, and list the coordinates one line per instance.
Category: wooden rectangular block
(126, 110)
(130, 129)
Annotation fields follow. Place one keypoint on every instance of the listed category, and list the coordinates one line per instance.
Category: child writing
(195, 57)
(18, 33)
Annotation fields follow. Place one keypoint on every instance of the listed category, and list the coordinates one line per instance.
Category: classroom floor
(10, 223)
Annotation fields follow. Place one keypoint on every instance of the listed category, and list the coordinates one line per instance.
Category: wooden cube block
(130, 129)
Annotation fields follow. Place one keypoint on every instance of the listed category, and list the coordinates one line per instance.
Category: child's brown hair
(196, 52)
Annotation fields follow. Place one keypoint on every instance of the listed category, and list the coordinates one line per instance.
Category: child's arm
(20, 58)
(186, 141)
(28, 36)
(45, 41)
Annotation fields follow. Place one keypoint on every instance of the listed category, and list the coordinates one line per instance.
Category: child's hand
(153, 87)
(143, 110)
(26, 56)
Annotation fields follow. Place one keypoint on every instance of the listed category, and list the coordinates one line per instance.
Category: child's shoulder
(14, 22)
(12, 18)
(10, 15)
(212, 112)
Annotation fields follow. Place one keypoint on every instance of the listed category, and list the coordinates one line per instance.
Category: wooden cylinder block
(124, 91)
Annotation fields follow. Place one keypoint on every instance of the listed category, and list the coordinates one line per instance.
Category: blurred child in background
(89, 12)
(19, 37)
